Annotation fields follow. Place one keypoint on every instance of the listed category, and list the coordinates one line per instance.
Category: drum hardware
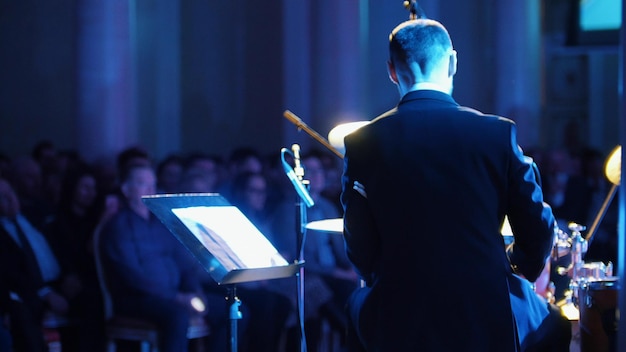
(575, 246)
(579, 246)
(580, 272)
(562, 245)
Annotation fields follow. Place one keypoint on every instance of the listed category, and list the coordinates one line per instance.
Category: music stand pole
(234, 316)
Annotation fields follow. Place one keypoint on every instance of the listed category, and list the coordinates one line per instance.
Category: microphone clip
(296, 180)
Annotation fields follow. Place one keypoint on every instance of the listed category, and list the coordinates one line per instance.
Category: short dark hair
(422, 41)
(132, 155)
(129, 170)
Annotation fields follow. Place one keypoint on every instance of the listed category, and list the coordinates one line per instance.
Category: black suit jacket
(20, 276)
(439, 179)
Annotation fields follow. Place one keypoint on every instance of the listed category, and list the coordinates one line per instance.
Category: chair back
(102, 278)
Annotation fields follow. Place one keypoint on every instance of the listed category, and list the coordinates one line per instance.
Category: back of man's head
(422, 41)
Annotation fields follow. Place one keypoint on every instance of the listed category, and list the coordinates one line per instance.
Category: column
(105, 88)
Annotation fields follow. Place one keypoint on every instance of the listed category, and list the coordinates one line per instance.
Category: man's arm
(360, 232)
(531, 219)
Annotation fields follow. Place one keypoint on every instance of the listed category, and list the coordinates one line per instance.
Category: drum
(597, 301)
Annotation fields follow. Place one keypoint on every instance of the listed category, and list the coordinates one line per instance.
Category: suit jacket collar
(430, 95)
(428, 99)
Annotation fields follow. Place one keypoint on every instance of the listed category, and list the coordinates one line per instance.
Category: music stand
(225, 242)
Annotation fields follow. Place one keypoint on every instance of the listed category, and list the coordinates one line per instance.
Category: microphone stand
(304, 200)
(301, 221)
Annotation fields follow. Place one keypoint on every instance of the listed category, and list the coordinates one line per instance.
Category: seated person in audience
(71, 235)
(30, 271)
(201, 173)
(240, 160)
(332, 169)
(169, 172)
(150, 274)
(46, 155)
(26, 178)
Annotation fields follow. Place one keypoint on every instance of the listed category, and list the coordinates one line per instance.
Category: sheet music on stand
(225, 242)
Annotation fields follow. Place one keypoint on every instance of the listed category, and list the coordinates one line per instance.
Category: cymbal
(337, 134)
(612, 168)
(327, 225)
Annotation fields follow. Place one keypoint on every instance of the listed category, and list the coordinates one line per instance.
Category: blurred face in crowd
(204, 174)
(251, 164)
(170, 176)
(256, 192)
(315, 173)
(27, 177)
(140, 182)
(85, 192)
(9, 204)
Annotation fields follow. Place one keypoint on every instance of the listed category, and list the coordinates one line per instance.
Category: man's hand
(192, 301)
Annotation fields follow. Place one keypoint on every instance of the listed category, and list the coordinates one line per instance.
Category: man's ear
(391, 70)
(452, 64)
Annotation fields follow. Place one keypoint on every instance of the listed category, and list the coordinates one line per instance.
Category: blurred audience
(62, 202)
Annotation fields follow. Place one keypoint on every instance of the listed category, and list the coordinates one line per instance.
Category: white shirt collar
(429, 86)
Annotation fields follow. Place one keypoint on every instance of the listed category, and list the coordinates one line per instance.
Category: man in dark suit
(426, 187)
(29, 271)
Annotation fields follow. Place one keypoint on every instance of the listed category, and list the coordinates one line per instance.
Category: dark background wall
(37, 73)
(183, 75)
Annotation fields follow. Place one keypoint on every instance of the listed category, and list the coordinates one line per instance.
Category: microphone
(295, 180)
(415, 10)
(297, 168)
